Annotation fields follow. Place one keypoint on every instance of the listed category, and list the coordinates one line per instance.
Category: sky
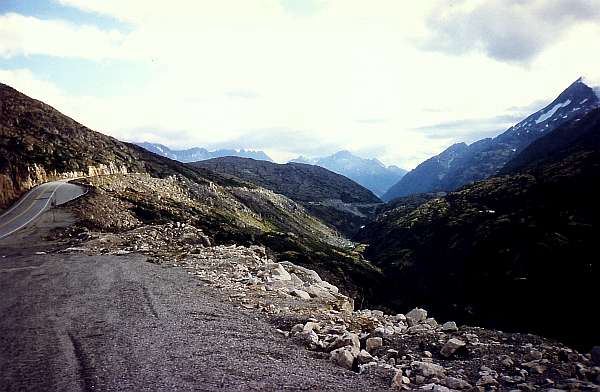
(395, 80)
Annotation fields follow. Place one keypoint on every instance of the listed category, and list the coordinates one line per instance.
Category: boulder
(373, 343)
(364, 357)
(451, 347)
(311, 326)
(399, 318)
(432, 323)
(277, 272)
(419, 328)
(348, 339)
(416, 316)
(296, 281)
(449, 326)
(300, 294)
(456, 383)
(428, 369)
(343, 357)
(319, 292)
(310, 338)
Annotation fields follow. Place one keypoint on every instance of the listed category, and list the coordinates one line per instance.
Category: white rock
(311, 326)
(296, 281)
(301, 294)
(278, 272)
(399, 317)
(319, 292)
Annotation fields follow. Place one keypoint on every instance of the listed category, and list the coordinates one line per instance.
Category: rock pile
(415, 352)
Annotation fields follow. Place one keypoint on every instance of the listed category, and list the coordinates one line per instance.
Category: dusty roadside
(84, 322)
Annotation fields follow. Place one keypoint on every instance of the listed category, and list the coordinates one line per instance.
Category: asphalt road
(41, 198)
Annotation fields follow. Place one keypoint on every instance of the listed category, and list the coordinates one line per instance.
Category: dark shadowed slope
(296, 180)
(511, 251)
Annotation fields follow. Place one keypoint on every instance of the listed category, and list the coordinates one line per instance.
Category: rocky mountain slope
(510, 251)
(200, 154)
(463, 164)
(38, 143)
(332, 197)
(370, 173)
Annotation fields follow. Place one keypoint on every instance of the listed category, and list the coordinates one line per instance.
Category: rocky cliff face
(15, 185)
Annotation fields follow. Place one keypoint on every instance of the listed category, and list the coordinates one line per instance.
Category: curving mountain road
(35, 202)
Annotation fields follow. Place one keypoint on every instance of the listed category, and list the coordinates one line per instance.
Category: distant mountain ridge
(200, 154)
(333, 198)
(370, 173)
(463, 164)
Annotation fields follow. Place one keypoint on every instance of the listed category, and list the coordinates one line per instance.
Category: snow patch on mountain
(545, 116)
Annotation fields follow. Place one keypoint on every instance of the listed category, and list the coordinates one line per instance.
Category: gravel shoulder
(80, 322)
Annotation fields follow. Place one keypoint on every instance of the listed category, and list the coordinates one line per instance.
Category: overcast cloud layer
(394, 80)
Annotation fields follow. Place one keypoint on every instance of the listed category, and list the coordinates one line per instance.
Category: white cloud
(23, 35)
(510, 30)
(223, 70)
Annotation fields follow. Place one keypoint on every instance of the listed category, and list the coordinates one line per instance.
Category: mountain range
(511, 250)
(370, 173)
(463, 164)
(199, 154)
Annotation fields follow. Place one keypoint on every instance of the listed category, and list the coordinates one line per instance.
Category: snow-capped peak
(593, 83)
